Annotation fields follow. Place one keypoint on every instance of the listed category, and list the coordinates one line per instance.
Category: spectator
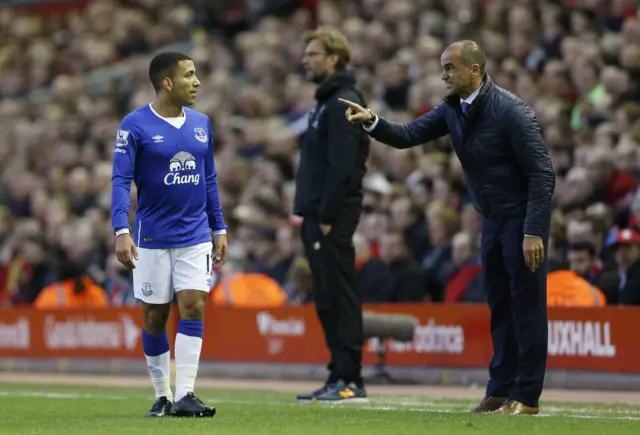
(617, 184)
(62, 98)
(119, 283)
(299, 284)
(74, 289)
(565, 288)
(443, 224)
(593, 231)
(626, 247)
(583, 261)
(394, 277)
(364, 253)
(407, 217)
(26, 265)
(463, 283)
(238, 286)
(287, 241)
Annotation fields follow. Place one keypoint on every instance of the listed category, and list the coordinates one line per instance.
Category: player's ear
(168, 83)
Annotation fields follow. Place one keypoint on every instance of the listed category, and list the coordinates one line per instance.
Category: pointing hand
(356, 113)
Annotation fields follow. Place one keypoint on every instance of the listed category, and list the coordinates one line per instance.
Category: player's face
(455, 75)
(185, 83)
(317, 63)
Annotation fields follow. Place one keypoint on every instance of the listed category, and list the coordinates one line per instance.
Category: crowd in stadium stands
(577, 62)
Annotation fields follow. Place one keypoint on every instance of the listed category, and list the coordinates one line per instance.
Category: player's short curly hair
(334, 42)
(163, 65)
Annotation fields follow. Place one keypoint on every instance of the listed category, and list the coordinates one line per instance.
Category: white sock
(187, 351)
(160, 371)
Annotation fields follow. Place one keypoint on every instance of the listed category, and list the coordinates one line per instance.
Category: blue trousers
(517, 298)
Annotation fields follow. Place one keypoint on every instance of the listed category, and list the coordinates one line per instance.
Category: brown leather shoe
(511, 407)
(488, 404)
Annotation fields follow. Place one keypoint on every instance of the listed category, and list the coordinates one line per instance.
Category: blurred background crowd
(72, 70)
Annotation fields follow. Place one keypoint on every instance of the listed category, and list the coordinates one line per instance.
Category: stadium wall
(590, 348)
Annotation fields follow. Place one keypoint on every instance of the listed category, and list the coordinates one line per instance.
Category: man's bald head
(470, 53)
(463, 64)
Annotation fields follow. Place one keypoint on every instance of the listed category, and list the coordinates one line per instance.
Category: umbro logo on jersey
(158, 138)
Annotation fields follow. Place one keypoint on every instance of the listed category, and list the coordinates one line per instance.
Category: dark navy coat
(503, 154)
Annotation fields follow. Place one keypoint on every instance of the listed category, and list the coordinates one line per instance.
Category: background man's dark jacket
(334, 153)
(505, 159)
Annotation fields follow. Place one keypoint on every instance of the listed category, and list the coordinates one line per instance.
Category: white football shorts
(159, 273)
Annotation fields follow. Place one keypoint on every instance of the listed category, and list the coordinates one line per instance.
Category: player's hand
(222, 250)
(126, 250)
(356, 113)
(533, 250)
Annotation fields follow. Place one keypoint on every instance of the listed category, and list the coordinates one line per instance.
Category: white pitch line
(552, 408)
(50, 395)
(403, 406)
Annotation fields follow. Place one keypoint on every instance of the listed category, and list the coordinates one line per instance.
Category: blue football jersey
(175, 176)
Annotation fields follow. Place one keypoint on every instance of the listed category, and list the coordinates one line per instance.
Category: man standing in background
(329, 198)
(497, 138)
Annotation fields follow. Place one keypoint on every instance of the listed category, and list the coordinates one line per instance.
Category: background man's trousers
(332, 262)
(517, 298)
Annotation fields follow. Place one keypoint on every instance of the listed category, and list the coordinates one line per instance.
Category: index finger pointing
(347, 102)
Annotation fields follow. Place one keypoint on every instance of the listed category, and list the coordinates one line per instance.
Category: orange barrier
(600, 339)
(82, 333)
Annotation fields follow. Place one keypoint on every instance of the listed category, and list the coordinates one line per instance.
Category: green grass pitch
(48, 409)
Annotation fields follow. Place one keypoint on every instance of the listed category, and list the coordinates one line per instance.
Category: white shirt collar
(182, 115)
(471, 97)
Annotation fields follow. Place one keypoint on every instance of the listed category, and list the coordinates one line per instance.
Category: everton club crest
(200, 135)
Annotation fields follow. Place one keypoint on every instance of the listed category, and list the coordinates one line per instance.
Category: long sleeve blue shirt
(174, 172)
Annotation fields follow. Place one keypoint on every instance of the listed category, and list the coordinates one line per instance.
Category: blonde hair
(437, 210)
(299, 266)
(334, 42)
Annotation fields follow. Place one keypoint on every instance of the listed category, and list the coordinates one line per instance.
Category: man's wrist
(373, 117)
(122, 231)
(370, 125)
